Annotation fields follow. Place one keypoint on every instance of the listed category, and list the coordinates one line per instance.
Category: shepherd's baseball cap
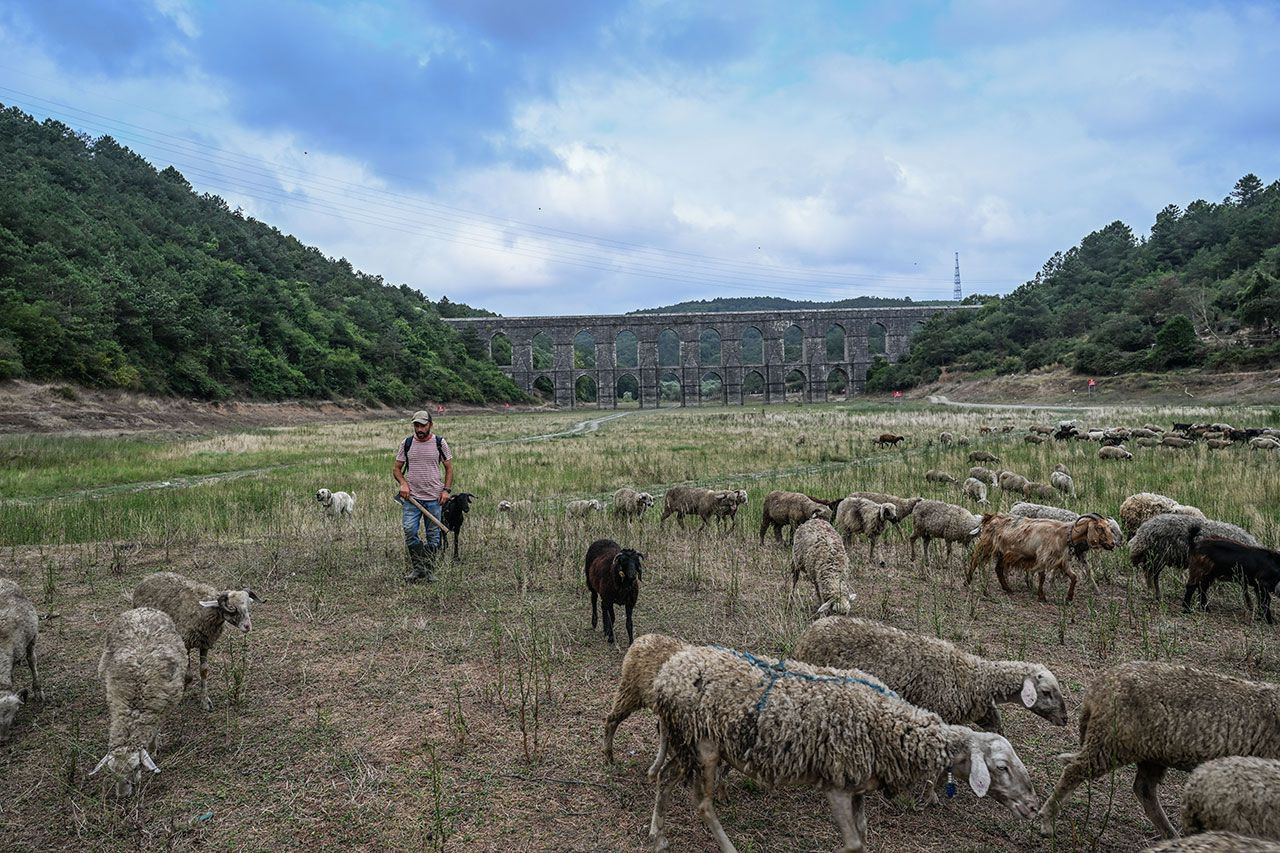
(422, 417)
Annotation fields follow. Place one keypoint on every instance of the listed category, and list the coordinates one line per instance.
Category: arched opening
(875, 372)
(709, 348)
(544, 388)
(793, 345)
(668, 348)
(628, 391)
(500, 350)
(794, 385)
(670, 390)
(711, 389)
(544, 350)
(875, 340)
(838, 385)
(752, 346)
(915, 327)
(626, 350)
(753, 387)
(584, 390)
(584, 350)
(835, 342)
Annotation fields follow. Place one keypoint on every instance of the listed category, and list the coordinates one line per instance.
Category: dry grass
(467, 715)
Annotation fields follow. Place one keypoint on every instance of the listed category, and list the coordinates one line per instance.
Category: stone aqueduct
(771, 369)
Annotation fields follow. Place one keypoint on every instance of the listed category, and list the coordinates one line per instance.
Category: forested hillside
(1202, 291)
(115, 275)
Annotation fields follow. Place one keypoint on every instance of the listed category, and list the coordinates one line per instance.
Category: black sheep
(1212, 559)
(613, 575)
(453, 513)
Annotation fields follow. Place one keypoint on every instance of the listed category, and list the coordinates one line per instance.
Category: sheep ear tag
(1029, 692)
(148, 763)
(979, 775)
(210, 604)
(104, 760)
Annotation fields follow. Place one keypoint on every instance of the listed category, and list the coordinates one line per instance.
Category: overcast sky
(574, 156)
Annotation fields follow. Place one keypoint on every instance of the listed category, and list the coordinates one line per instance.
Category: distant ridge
(779, 303)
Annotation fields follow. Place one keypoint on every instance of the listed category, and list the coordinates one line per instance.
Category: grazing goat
(453, 513)
(1213, 558)
(887, 439)
(613, 575)
(1038, 546)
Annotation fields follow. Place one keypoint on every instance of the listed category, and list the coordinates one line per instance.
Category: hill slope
(115, 275)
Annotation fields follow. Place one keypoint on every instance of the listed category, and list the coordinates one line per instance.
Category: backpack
(408, 442)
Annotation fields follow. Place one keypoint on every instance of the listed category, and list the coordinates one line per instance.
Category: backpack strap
(439, 449)
(408, 442)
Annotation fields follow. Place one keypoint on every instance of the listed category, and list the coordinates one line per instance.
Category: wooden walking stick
(437, 522)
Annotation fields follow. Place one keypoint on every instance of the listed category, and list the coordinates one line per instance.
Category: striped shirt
(423, 476)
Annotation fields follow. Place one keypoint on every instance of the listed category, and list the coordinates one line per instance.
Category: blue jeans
(413, 518)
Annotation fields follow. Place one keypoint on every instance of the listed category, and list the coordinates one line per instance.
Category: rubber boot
(431, 557)
(417, 563)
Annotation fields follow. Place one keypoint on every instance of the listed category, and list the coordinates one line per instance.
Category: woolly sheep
(18, 628)
(1148, 442)
(583, 508)
(1062, 469)
(986, 475)
(1218, 443)
(817, 552)
(1136, 509)
(861, 515)
(1176, 441)
(1032, 438)
(726, 506)
(983, 456)
(1160, 715)
(934, 674)
(515, 508)
(198, 611)
(645, 656)
(693, 500)
(1114, 452)
(789, 509)
(946, 438)
(975, 489)
(1043, 491)
(1161, 542)
(1063, 483)
(903, 505)
(709, 699)
(1215, 842)
(1011, 482)
(1234, 794)
(939, 520)
(142, 670)
(628, 503)
(933, 475)
(1264, 442)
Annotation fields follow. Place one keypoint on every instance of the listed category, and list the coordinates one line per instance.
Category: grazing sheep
(1032, 438)
(1215, 842)
(1218, 443)
(1038, 546)
(787, 722)
(727, 504)
(946, 439)
(975, 489)
(934, 674)
(817, 551)
(935, 476)
(1041, 430)
(1062, 469)
(198, 611)
(142, 671)
(1264, 442)
(1234, 794)
(1175, 441)
(1063, 483)
(983, 456)
(887, 439)
(1043, 491)
(939, 520)
(1147, 442)
(1144, 432)
(515, 508)
(692, 500)
(861, 515)
(613, 575)
(640, 667)
(1138, 508)
(1161, 715)
(628, 503)
(1161, 542)
(790, 510)
(583, 508)
(1211, 559)
(1114, 452)
(1011, 482)
(986, 475)
(962, 441)
(18, 628)
(903, 505)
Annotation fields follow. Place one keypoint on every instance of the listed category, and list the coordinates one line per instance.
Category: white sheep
(975, 489)
(142, 670)
(199, 611)
(817, 552)
(1138, 508)
(645, 656)
(1215, 842)
(1062, 481)
(1237, 794)
(840, 730)
(19, 626)
(628, 503)
(582, 509)
(986, 475)
(865, 516)
(1114, 452)
(939, 520)
(934, 475)
(1160, 715)
(961, 688)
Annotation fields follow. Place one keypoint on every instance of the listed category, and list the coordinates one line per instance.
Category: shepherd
(423, 491)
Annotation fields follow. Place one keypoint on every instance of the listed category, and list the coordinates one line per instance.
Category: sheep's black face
(627, 565)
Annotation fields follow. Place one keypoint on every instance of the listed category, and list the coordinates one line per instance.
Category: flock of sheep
(860, 707)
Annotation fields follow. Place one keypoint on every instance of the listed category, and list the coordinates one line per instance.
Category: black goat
(1213, 558)
(453, 513)
(613, 575)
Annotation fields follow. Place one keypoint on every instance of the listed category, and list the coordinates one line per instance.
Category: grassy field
(467, 714)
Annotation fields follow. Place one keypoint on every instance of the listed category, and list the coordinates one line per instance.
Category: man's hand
(404, 490)
(444, 496)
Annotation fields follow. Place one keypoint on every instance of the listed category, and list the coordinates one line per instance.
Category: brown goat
(888, 438)
(1038, 546)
